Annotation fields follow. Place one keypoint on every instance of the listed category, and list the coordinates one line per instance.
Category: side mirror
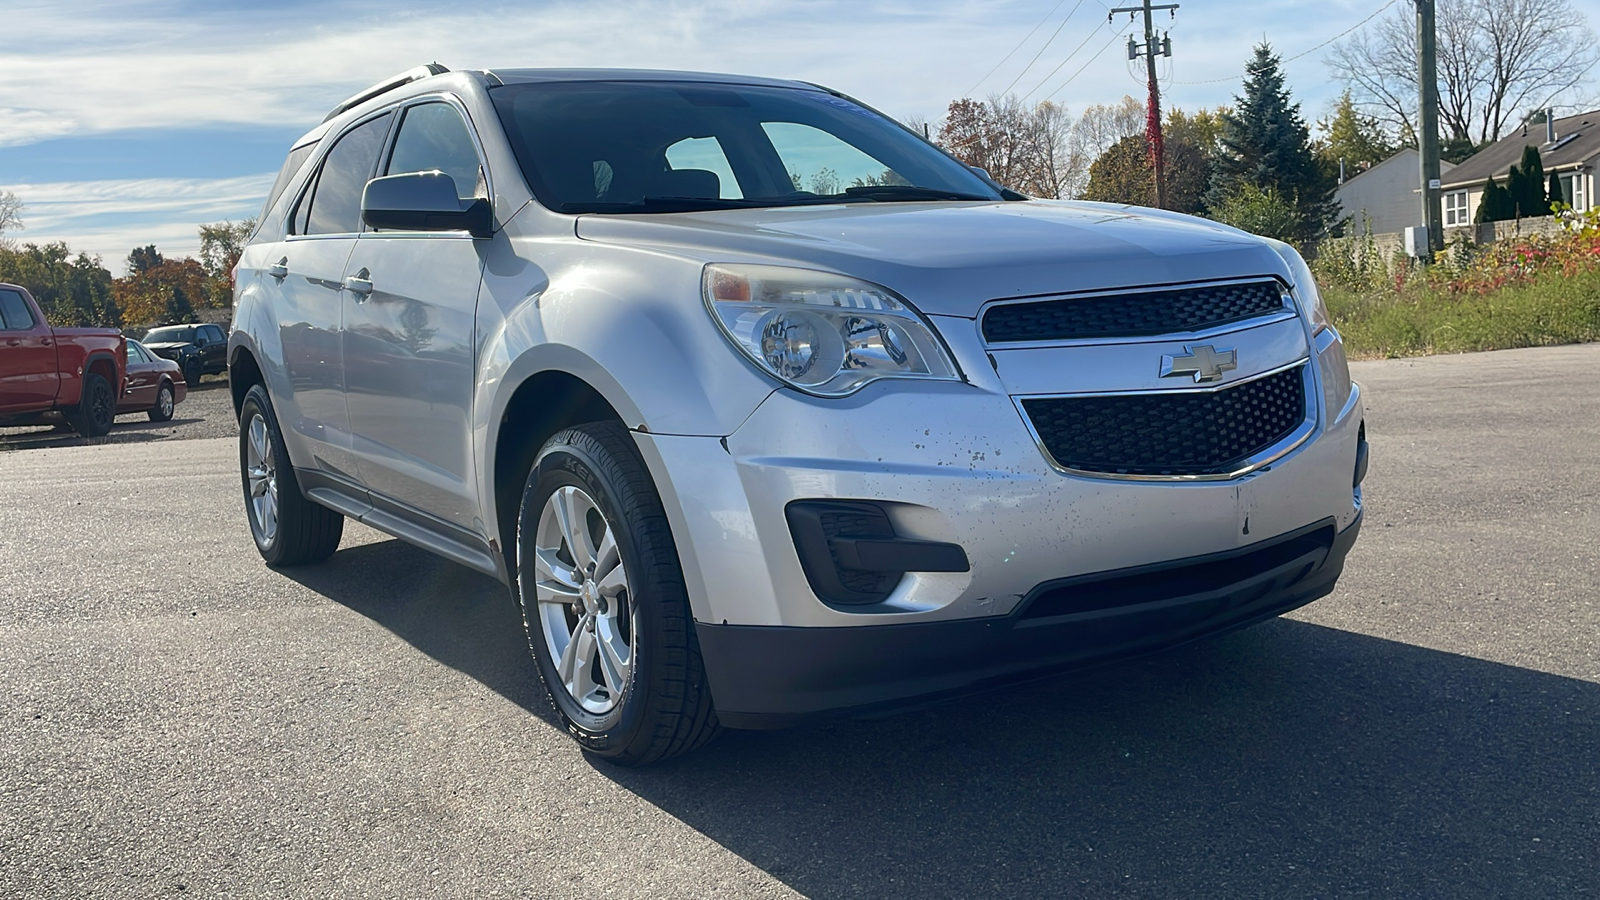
(424, 201)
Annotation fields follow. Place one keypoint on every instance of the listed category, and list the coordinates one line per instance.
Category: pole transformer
(1151, 48)
(1428, 121)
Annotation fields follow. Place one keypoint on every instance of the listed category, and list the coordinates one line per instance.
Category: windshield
(169, 336)
(669, 147)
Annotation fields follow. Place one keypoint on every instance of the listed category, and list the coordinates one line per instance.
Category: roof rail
(388, 84)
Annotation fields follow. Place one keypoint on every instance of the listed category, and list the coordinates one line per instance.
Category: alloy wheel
(164, 403)
(263, 477)
(584, 606)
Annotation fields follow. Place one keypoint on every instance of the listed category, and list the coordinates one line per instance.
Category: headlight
(1305, 288)
(822, 333)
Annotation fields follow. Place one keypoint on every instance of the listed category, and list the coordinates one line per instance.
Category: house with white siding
(1569, 147)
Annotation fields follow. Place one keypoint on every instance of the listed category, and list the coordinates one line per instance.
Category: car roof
(497, 77)
(532, 76)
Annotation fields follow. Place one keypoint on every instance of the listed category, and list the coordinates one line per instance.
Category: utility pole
(1428, 140)
(1151, 49)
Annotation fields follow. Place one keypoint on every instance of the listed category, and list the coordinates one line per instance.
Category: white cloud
(109, 218)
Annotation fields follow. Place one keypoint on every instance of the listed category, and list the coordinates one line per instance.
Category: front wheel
(604, 603)
(289, 529)
(192, 370)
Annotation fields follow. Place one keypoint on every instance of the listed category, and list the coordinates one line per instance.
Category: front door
(310, 310)
(408, 335)
(28, 377)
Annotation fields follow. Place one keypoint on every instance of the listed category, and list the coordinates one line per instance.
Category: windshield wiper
(889, 193)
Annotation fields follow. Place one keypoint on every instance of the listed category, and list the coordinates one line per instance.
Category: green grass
(1420, 320)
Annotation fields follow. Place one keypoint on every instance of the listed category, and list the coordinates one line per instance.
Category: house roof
(1577, 139)
(1401, 159)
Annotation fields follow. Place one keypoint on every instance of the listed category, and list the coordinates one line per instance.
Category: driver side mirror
(424, 201)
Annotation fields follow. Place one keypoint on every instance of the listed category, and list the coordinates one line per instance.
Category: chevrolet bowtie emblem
(1205, 363)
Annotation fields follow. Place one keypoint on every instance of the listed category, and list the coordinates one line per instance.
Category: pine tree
(1495, 205)
(1532, 201)
(1355, 139)
(1266, 145)
(1556, 195)
(1517, 189)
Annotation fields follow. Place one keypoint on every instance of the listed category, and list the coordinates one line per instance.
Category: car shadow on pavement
(460, 618)
(1288, 760)
(124, 431)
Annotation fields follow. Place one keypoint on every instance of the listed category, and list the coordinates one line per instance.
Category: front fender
(628, 323)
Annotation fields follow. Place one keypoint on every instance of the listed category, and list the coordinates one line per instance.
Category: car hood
(949, 258)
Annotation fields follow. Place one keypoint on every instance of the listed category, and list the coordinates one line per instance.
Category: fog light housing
(852, 556)
(1361, 456)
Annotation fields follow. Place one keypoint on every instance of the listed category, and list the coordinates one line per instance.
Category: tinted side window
(14, 312)
(216, 334)
(433, 136)
(135, 354)
(336, 200)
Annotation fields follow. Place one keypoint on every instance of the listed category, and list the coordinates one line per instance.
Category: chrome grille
(1133, 314)
(1171, 433)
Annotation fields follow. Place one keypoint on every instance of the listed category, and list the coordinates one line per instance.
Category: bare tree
(1498, 60)
(1039, 150)
(10, 215)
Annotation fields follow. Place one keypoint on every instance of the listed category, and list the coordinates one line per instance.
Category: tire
(97, 407)
(192, 371)
(289, 530)
(165, 402)
(654, 704)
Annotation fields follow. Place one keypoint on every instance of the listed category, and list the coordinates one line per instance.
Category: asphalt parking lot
(180, 720)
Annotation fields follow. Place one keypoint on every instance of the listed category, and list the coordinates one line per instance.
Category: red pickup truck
(77, 373)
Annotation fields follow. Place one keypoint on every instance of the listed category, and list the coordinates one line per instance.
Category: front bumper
(956, 464)
(764, 677)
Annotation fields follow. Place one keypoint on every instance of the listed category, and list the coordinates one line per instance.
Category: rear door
(310, 313)
(28, 376)
(143, 379)
(408, 337)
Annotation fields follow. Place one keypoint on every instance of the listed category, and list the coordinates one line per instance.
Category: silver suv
(762, 406)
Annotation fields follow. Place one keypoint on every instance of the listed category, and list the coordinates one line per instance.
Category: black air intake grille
(1132, 315)
(1175, 433)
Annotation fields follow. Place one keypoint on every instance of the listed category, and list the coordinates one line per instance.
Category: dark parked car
(155, 385)
(197, 349)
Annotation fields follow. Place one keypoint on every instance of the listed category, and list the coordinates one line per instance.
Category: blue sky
(123, 124)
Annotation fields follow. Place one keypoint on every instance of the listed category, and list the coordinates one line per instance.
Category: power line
(1087, 38)
(1018, 46)
(1379, 11)
(1046, 46)
(1059, 87)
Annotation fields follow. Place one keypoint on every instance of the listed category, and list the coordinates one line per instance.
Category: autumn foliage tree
(161, 291)
(1122, 174)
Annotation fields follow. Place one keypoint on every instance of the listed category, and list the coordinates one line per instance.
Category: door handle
(279, 269)
(359, 284)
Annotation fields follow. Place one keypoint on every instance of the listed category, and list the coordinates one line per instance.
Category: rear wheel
(289, 530)
(96, 410)
(604, 603)
(162, 411)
